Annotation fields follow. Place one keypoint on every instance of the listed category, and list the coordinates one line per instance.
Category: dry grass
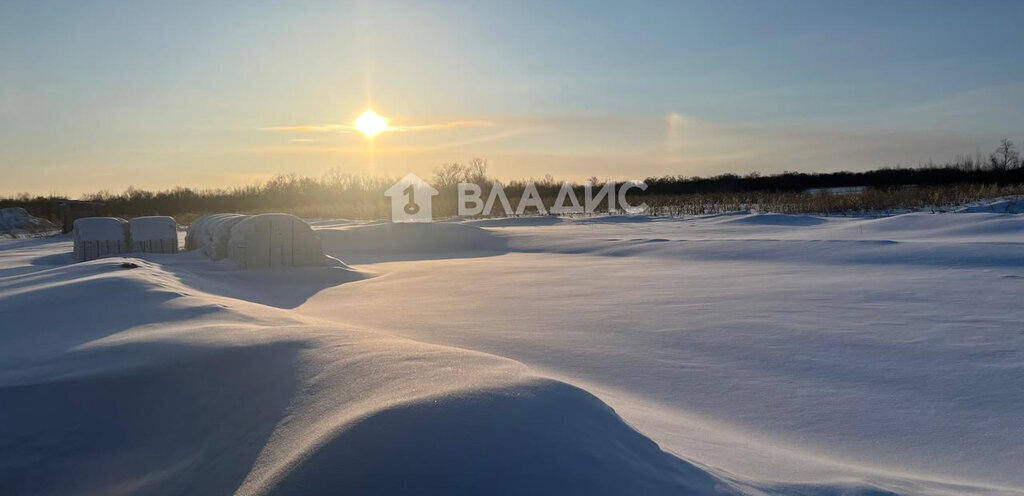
(868, 202)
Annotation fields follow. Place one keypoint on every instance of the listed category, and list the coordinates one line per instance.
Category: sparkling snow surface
(618, 355)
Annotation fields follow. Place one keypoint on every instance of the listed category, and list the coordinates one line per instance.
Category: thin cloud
(392, 150)
(449, 125)
(330, 128)
(345, 128)
(474, 141)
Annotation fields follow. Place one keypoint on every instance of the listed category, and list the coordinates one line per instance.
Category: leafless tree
(1005, 157)
(448, 175)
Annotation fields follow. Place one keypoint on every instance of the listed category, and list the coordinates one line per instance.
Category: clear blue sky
(102, 95)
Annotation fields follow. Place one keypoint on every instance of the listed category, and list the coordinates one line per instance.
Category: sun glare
(371, 124)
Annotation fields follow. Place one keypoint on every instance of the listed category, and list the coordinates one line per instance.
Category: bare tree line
(340, 194)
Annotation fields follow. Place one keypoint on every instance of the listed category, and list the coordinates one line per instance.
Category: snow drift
(16, 222)
(185, 391)
(376, 242)
(741, 353)
(1012, 206)
(797, 354)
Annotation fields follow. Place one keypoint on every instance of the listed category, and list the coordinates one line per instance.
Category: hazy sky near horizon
(102, 95)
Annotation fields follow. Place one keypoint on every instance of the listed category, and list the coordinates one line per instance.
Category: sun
(370, 123)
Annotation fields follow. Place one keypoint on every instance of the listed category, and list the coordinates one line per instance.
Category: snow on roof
(200, 232)
(254, 219)
(156, 227)
(101, 229)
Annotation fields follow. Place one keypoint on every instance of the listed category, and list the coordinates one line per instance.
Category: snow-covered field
(619, 355)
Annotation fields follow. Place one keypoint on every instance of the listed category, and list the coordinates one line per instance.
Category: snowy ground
(731, 354)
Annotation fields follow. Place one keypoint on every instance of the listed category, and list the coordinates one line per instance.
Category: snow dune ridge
(185, 389)
(755, 354)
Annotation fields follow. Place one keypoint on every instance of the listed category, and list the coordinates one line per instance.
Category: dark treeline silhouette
(932, 175)
(1002, 167)
(358, 196)
(338, 194)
